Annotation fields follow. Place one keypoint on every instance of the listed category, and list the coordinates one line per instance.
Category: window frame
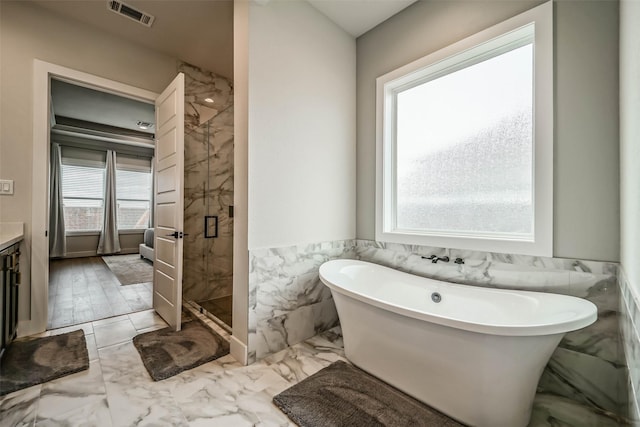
(449, 59)
(84, 164)
(149, 200)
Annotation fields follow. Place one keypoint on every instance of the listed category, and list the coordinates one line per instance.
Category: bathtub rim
(588, 317)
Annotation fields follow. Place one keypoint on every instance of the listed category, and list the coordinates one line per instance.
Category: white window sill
(132, 231)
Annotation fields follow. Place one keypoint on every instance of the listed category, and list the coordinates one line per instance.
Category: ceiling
(199, 32)
(88, 105)
(359, 16)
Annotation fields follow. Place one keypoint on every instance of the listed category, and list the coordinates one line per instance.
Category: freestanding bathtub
(475, 354)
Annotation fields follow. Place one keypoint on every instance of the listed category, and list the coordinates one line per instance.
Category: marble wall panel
(287, 301)
(630, 333)
(586, 374)
(208, 165)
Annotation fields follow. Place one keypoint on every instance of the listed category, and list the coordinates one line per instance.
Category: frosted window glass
(465, 149)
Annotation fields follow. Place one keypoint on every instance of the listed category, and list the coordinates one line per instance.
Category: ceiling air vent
(121, 8)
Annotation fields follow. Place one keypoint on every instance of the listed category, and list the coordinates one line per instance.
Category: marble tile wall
(630, 332)
(287, 301)
(586, 375)
(208, 168)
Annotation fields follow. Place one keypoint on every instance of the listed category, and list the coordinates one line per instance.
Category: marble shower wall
(586, 374)
(208, 169)
(629, 329)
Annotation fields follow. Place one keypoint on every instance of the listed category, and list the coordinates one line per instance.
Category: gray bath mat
(343, 395)
(130, 269)
(166, 353)
(28, 362)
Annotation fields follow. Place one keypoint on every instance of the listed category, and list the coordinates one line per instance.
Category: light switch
(6, 186)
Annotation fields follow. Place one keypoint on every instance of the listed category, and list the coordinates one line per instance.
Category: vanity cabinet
(9, 283)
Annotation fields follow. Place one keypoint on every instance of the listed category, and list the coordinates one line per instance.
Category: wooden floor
(84, 289)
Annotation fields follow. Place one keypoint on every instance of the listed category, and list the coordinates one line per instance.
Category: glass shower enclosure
(208, 196)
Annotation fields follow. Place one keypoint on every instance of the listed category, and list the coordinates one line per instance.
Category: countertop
(10, 233)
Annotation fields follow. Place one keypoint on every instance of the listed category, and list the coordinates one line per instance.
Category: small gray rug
(166, 353)
(28, 362)
(343, 395)
(130, 269)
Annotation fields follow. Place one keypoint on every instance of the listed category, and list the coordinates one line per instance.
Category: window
(83, 189)
(83, 197)
(133, 192)
(465, 143)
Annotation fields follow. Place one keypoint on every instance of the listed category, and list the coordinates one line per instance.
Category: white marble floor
(117, 390)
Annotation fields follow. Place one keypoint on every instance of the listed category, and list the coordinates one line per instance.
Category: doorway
(88, 279)
(44, 73)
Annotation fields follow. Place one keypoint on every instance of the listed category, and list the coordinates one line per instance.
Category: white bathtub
(477, 355)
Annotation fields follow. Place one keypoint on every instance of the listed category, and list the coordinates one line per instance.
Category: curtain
(57, 240)
(109, 241)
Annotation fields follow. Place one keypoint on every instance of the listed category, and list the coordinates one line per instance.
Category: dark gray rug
(166, 353)
(130, 269)
(28, 362)
(343, 395)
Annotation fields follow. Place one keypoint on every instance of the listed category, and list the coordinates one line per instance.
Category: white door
(167, 274)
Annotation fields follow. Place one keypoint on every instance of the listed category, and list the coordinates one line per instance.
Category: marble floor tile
(86, 327)
(114, 333)
(20, 407)
(117, 391)
(75, 396)
(92, 347)
(146, 319)
(109, 320)
(93, 414)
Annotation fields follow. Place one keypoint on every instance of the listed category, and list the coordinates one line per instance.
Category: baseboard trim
(84, 254)
(239, 351)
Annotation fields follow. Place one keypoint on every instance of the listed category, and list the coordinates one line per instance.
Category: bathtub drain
(436, 297)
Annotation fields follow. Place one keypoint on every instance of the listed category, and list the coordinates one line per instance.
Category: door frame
(42, 74)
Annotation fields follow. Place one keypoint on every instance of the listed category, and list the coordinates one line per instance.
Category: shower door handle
(177, 234)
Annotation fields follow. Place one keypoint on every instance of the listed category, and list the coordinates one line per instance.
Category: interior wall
(629, 276)
(630, 140)
(239, 338)
(301, 153)
(301, 126)
(28, 32)
(586, 224)
(87, 244)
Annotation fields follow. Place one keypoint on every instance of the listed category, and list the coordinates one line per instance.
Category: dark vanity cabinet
(9, 281)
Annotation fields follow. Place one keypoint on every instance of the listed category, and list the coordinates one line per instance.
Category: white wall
(630, 141)
(586, 222)
(28, 32)
(586, 172)
(301, 126)
(240, 180)
(87, 244)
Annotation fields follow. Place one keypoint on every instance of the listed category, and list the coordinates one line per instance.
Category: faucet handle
(459, 261)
